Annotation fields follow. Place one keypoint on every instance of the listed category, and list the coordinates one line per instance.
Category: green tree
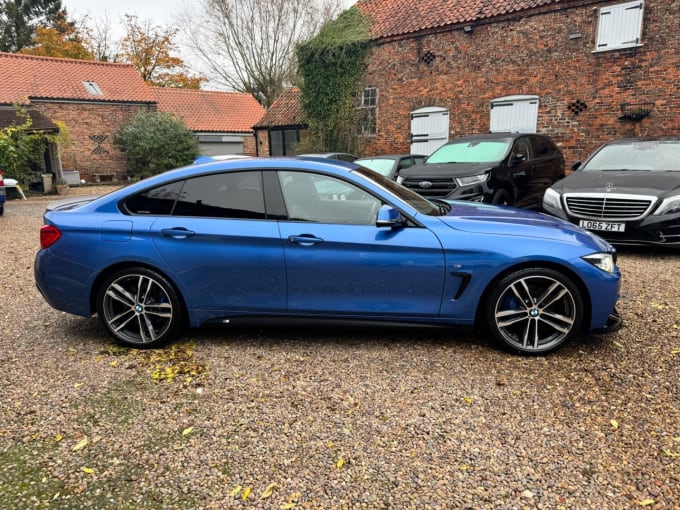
(20, 147)
(20, 18)
(154, 142)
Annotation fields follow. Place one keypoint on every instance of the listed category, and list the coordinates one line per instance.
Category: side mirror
(576, 165)
(516, 159)
(389, 216)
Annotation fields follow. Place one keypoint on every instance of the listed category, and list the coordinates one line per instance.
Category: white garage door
(514, 114)
(429, 129)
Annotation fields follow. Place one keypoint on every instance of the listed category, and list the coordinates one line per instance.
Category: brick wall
(91, 128)
(532, 55)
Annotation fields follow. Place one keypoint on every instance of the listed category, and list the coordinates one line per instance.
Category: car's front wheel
(534, 311)
(140, 307)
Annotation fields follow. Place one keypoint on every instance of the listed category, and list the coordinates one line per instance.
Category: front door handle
(305, 239)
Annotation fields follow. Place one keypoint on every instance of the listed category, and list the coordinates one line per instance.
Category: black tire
(501, 197)
(534, 311)
(140, 308)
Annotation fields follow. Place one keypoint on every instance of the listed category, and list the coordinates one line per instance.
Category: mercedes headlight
(551, 199)
(670, 205)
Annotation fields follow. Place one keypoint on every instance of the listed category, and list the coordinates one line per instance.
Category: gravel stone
(341, 418)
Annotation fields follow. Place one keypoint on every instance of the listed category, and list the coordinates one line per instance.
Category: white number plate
(603, 225)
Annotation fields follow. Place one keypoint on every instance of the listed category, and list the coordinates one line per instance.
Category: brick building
(93, 100)
(581, 71)
(282, 127)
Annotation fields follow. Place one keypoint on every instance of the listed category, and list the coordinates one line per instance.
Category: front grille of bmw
(608, 206)
(436, 188)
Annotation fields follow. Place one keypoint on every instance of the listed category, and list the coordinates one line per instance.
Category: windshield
(471, 151)
(381, 165)
(659, 156)
(406, 195)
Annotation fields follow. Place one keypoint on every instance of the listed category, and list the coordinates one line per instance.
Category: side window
(542, 147)
(522, 147)
(227, 195)
(324, 199)
(155, 202)
(620, 26)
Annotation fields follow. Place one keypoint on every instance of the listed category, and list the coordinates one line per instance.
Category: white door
(514, 114)
(429, 129)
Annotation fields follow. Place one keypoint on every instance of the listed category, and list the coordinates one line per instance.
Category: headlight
(604, 261)
(473, 179)
(551, 199)
(670, 205)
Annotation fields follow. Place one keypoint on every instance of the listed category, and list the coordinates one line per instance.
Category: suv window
(522, 147)
(542, 147)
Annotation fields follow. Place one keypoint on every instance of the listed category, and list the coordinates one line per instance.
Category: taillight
(2, 182)
(49, 234)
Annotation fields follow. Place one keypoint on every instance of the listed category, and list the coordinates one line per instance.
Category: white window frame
(620, 26)
(367, 121)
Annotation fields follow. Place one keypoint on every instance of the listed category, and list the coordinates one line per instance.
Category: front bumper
(613, 324)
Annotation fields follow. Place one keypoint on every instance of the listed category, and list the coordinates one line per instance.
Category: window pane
(324, 199)
(228, 195)
(291, 138)
(277, 147)
(155, 202)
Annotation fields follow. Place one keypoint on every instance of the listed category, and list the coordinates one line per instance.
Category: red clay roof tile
(398, 17)
(285, 111)
(27, 76)
(210, 111)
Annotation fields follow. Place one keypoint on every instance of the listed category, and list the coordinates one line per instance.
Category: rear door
(220, 245)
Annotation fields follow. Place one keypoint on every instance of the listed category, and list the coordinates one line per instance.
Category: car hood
(490, 219)
(634, 182)
(446, 169)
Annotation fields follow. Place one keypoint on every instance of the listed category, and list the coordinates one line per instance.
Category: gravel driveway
(335, 418)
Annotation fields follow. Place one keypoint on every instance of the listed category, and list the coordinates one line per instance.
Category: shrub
(154, 142)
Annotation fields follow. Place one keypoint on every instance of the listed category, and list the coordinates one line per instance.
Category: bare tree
(98, 37)
(249, 45)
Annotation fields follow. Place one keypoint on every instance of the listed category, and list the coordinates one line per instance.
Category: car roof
(627, 141)
(495, 136)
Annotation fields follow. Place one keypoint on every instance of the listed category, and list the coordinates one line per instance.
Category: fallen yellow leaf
(58, 437)
(246, 493)
(268, 491)
(340, 463)
(236, 491)
(671, 454)
(615, 424)
(468, 400)
(88, 470)
(647, 502)
(187, 431)
(81, 444)
(288, 506)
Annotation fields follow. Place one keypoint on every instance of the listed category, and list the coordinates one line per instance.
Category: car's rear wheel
(140, 307)
(534, 311)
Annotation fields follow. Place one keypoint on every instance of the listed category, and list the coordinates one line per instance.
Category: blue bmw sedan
(237, 240)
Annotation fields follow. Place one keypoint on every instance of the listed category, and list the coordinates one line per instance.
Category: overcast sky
(160, 12)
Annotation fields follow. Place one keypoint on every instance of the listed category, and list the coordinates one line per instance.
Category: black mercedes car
(499, 168)
(628, 192)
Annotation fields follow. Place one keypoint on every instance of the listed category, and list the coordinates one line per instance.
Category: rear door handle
(177, 232)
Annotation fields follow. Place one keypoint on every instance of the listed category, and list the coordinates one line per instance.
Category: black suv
(500, 168)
